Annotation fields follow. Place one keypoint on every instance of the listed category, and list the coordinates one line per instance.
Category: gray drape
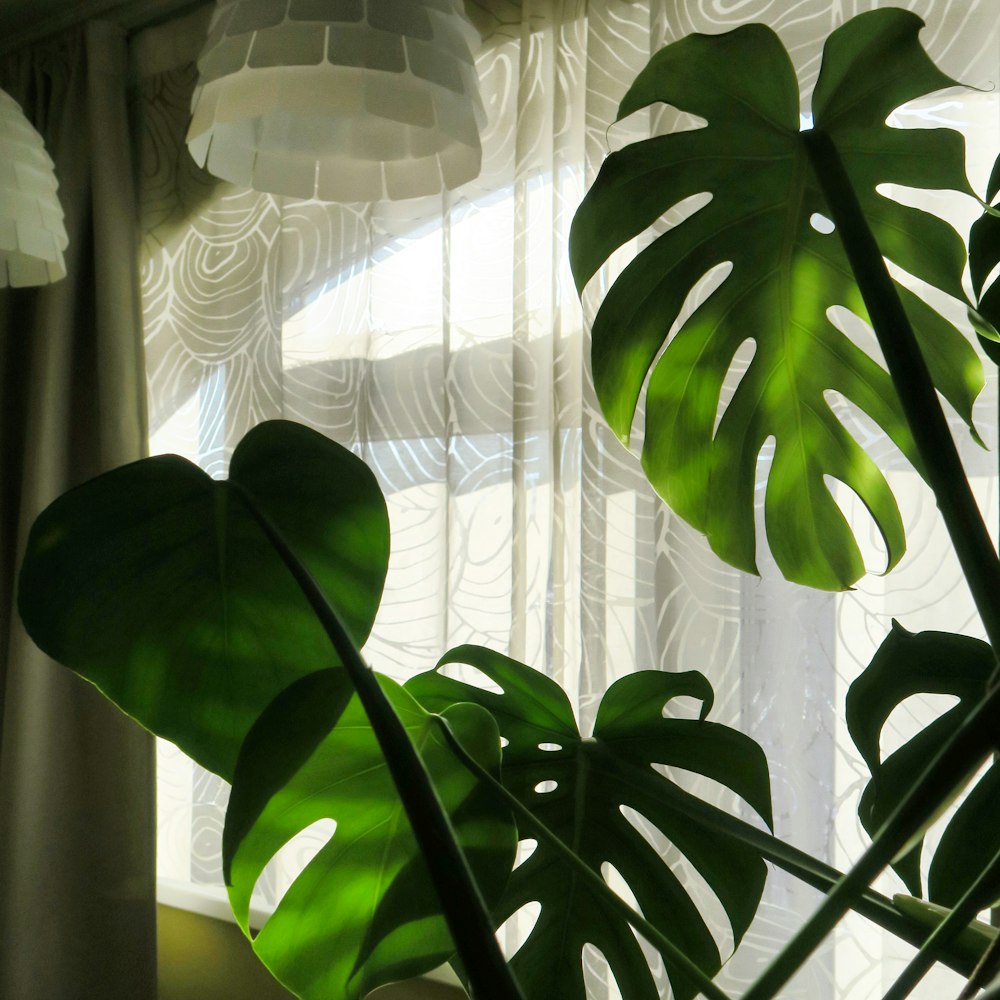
(77, 820)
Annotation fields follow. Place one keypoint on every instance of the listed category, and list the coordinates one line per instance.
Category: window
(445, 343)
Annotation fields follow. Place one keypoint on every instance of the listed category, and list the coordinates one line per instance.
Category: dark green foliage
(595, 778)
(154, 582)
(363, 912)
(984, 257)
(908, 664)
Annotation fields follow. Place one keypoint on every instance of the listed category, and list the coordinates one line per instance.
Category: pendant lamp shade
(32, 233)
(341, 100)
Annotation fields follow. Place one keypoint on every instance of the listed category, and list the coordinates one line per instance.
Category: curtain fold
(77, 902)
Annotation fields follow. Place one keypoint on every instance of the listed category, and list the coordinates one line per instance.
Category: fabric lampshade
(32, 233)
(341, 100)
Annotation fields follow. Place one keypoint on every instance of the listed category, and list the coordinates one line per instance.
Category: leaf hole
(857, 331)
(473, 676)
(674, 216)
(762, 471)
(597, 974)
(738, 367)
(550, 747)
(700, 291)
(544, 787)
(821, 223)
(958, 212)
(667, 118)
(514, 931)
(504, 742)
(288, 862)
(618, 885)
(706, 788)
(616, 882)
(867, 433)
(645, 828)
(683, 707)
(709, 906)
(525, 848)
(682, 211)
(863, 525)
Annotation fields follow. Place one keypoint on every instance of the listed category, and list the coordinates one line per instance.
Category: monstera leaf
(578, 787)
(154, 582)
(984, 256)
(907, 664)
(363, 911)
(768, 222)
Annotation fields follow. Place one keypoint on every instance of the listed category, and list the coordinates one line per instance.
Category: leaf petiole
(871, 905)
(975, 898)
(462, 905)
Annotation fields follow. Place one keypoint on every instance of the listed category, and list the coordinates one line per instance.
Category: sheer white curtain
(444, 341)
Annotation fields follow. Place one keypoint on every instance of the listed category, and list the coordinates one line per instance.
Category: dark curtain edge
(77, 808)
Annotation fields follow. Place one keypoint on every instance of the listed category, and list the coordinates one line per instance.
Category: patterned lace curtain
(444, 342)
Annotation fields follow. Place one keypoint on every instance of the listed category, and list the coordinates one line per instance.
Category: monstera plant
(769, 222)
(227, 615)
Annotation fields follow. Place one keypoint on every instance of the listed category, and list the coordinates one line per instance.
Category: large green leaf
(786, 274)
(908, 664)
(594, 779)
(363, 911)
(984, 258)
(154, 582)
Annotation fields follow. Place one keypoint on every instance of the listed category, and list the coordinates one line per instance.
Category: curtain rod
(130, 14)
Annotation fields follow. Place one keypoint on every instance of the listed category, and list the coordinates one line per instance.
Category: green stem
(672, 955)
(813, 872)
(983, 972)
(465, 912)
(872, 905)
(971, 743)
(978, 895)
(942, 466)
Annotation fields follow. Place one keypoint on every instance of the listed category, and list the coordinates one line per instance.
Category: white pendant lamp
(32, 233)
(341, 100)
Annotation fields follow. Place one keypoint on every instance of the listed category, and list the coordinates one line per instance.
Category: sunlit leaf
(768, 221)
(908, 664)
(155, 583)
(363, 911)
(593, 780)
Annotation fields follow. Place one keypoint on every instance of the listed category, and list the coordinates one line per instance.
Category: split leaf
(908, 664)
(579, 788)
(768, 223)
(984, 259)
(363, 912)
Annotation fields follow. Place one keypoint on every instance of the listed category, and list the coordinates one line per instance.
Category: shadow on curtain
(77, 908)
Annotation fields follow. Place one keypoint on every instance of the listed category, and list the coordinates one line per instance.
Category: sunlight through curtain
(444, 342)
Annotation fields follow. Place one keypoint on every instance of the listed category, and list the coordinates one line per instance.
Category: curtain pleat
(77, 890)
